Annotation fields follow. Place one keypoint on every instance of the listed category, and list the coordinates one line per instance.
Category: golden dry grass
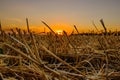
(29, 56)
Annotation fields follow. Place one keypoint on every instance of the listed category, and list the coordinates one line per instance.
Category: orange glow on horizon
(59, 32)
(58, 28)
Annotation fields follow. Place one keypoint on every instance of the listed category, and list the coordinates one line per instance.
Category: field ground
(28, 56)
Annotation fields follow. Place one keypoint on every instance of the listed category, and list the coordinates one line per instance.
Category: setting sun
(59, 32)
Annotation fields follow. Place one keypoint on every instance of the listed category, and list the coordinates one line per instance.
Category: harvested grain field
(29, 56)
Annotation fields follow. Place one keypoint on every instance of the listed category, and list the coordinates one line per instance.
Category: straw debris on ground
(29, 56)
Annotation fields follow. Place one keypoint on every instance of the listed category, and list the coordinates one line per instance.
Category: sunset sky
(60, 14)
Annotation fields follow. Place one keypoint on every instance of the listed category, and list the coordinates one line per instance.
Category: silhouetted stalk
(95, 26)
(24, 32)
(48, 27)
(14, 34)
(102, 22)
(72, 45)
(107, 46)
(19, 33)
(27, 25)
(76, 29)
(1, 31)
(56, 36)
